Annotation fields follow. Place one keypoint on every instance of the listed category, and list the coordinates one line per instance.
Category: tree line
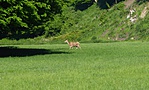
(32, 18)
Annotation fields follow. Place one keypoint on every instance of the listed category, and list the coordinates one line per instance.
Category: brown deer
(73, 44)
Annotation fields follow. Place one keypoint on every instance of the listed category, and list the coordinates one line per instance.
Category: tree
(25, 18)
(32, 18)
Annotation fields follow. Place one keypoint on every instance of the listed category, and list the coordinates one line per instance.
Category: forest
(33, 18)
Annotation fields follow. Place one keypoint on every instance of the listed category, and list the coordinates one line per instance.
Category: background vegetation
(32, 18)
(51, 21)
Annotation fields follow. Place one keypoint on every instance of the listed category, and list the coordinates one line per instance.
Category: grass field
(97, 66)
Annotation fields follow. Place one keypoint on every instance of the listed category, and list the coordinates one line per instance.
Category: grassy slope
(104, 66)
(101, 25)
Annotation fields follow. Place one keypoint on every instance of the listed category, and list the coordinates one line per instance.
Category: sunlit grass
(97, 66)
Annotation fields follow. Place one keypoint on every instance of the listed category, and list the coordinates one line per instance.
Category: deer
(73, 44)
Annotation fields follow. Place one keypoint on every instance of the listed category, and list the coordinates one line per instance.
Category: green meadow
(96, 66)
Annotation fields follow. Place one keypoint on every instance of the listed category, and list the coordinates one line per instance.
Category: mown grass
(97, 66)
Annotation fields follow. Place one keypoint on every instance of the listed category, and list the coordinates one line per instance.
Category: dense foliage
(25, 18)
(71, 19)
(31, 18)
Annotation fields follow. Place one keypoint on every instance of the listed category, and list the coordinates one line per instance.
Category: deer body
(73, 44)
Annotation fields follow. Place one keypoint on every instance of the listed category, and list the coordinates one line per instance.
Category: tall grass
(104, 24)
(98, 66)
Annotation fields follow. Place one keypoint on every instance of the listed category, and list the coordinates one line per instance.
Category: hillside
(125, 21)
(113, 24)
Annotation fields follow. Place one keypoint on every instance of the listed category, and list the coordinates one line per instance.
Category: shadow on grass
(22, 52)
